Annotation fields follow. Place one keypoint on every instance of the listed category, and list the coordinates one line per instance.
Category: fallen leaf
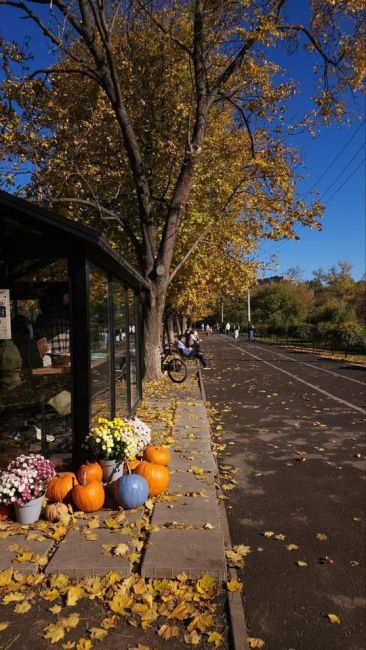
(292, 547)
(208, 526)
(321, 537)
(168, 632)
(84, 644)
(54, 632)
(255, 643)
(22, 608)
(325, 560)
(334, 618)
(216, 638)
(4, 625)
(98, 633)
(73, 595)
(279, 537)
(55, 609)
(234, 585)
(192, 638)
(301, 563)
(268, 533)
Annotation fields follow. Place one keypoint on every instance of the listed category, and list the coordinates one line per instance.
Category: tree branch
(111, 214)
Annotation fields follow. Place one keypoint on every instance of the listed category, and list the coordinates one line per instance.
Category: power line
(346, 180)
(342, 172)
(334, 159)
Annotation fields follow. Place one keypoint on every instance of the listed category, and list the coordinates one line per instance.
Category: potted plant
(112, 442)
(23, 485)
(143, 432)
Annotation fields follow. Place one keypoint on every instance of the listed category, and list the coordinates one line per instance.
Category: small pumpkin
(59, 487)
(157, 455)
(131, 491)
(157, 476)
(54, 511)
(88, 497)
(93, 472)
(5, 512)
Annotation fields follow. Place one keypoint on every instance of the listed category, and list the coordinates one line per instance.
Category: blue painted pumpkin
(131, 491)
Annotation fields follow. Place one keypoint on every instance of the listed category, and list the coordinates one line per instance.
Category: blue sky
(343, 234)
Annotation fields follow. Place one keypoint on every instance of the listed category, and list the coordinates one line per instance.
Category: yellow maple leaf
(234, 585)
(15, 596)
(279, 537)
(109, 622)
(112, 524)
(84, 644)
(334, 618)
(216, 638)
(181, 611)
(292, 547)
(167, 632)
(113, 577)
(255, 643)
(206, 584)
(50, 594)
(69, 645)
(73, 595)
(121, 604)
(59, 581)
(94, 522)
(200, 622)
(4, 625)
(98, 633)
(54, 632)
(6, 577)
(69, 622)
(242, 549)
(268, 533)
(22, 608)
(55, 609)
(24, 557)
(120, 549)
(192, 638)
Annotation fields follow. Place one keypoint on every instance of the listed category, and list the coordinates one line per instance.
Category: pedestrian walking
(227, 328)
(251, 332)
(236, 332)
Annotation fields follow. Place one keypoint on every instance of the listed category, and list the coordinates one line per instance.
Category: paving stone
(193, 552)
(187, 482)
(77, 556)
(187, 510)
(195, 459)
(7, 557)
(189, 444)
(190, 433)
(159, 403)
(102, 515)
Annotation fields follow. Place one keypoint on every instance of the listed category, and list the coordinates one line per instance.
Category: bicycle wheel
(177, 370)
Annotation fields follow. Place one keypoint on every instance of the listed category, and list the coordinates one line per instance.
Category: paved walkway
(186, 534)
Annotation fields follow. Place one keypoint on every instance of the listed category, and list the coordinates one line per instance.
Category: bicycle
(172, 364)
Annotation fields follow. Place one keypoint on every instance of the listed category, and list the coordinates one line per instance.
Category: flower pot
(30, 512)
(112, 470)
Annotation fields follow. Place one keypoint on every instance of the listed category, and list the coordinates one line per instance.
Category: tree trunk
(170, 330)
(153, 331)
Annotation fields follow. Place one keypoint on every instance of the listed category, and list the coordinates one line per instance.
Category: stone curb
(238, 625)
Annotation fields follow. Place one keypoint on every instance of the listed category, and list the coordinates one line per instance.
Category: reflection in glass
(120, 349)
(35, 379)
(132, 335)
(99, 344)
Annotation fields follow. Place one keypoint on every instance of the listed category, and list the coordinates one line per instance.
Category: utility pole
(249, 310)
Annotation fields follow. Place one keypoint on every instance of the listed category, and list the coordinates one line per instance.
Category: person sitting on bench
(190, 352)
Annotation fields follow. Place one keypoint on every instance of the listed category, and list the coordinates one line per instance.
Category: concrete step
(8, 558)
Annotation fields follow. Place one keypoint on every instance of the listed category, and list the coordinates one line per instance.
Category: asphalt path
(293, 425)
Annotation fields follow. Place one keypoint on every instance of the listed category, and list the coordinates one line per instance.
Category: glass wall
(120, 348)
(100, 344)
(35, 368)
(132, 347)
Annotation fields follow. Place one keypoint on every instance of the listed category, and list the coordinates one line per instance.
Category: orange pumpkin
(157, 455)
(4, 512)
(88, 497)
(59, 487)
(157, 476)
(93, 472)
(133, 463)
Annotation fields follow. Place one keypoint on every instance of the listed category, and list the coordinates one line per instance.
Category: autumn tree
(161, 81)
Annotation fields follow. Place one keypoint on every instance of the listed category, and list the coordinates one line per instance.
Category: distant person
(236, 332)
(208, 329)
(251, 332)
(227, 328)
